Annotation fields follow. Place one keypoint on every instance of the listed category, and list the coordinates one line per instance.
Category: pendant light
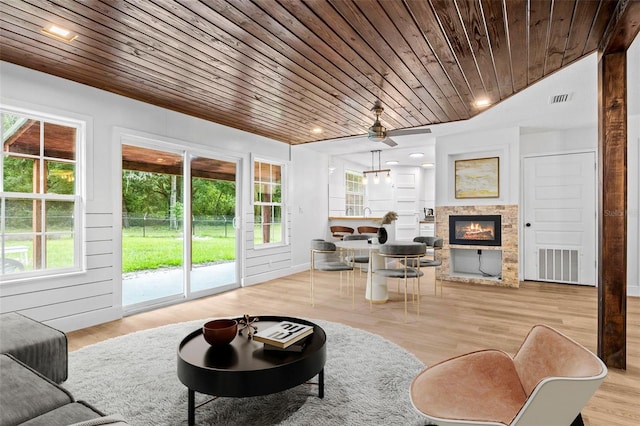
(376, 172)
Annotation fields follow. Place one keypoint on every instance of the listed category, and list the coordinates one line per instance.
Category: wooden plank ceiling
(282, 68)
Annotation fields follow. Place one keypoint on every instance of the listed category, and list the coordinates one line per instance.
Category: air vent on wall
(557, 99)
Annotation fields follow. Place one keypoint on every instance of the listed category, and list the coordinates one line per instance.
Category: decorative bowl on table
(220, 332)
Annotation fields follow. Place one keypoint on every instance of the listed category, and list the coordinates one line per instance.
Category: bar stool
(369, 230)
(340, 231)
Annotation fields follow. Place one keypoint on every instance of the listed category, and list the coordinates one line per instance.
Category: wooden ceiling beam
(623, 27)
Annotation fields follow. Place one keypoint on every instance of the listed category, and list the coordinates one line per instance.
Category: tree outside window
(267, 202)
(40, 197)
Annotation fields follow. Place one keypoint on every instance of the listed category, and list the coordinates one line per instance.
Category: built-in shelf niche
(477, 262)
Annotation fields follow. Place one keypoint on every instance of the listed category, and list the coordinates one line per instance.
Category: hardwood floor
(467, 317)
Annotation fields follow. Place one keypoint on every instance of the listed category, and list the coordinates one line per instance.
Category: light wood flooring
(466, 317)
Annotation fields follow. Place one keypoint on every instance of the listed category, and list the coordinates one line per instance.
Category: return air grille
(558, 99)
(558, 265)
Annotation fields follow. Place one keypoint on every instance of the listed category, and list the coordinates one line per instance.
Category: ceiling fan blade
(403, 132)
(389, 141)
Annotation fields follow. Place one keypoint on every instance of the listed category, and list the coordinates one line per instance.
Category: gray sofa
(33, 361)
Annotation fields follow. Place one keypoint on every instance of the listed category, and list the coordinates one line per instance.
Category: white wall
(428, 194)
(559, 142)
(309, 205)
(503, 143)
(84, 299)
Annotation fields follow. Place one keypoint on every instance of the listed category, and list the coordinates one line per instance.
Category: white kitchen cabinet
(427, 229)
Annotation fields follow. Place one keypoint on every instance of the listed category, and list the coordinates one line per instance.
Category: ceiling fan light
(377, 132)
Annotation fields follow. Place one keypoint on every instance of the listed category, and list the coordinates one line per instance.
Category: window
(267, 202)
(40, 227)
(354, 193)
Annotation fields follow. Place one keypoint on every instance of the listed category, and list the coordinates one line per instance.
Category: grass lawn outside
(163, 248)
(156, 247)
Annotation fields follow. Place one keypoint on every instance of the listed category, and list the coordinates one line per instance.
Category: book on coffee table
(295, 347)
(283, 334)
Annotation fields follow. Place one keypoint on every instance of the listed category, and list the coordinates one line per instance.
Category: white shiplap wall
(80, 300)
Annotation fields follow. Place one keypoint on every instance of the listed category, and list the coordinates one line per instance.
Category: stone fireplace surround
(509, 247)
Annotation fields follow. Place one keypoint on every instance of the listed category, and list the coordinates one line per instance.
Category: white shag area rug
(367, 381)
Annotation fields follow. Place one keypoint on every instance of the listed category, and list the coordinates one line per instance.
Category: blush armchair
(547, 382)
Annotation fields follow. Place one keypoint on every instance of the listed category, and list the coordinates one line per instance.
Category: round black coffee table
(243, 368)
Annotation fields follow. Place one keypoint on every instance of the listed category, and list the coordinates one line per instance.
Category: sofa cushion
(39, 346)
(25, 393)
(62, 416)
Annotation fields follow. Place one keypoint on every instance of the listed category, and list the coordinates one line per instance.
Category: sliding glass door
(213, 224)
(152, 231)
(178, 225)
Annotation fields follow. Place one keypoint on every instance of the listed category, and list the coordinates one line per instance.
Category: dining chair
(435, 244)
(333, 260)
(358, 258)
(548, 382)
(404, 252)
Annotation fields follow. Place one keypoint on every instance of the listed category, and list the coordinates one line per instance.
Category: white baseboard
(87, 319)
(633, 291)
(272, 275)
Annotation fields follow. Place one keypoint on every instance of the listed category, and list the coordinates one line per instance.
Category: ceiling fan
(379, 133)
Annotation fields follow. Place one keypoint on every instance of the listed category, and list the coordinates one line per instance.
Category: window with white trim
(40, 228)
(268, 203)
(354, 193)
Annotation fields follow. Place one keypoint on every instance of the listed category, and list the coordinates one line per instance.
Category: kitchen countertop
(354, 218)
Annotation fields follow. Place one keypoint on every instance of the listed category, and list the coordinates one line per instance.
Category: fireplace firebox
(475, 230)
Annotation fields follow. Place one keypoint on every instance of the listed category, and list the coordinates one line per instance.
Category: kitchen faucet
(364, 211)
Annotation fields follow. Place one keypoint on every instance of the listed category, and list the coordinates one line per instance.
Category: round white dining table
(376, 284)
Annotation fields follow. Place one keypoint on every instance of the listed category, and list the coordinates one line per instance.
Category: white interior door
(559, 218)
(406, 202)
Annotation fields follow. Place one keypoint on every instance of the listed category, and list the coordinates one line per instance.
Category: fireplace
(478, 230)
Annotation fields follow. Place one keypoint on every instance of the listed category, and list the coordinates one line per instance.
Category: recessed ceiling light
(59, 32)
(427, 165)
(392, 162)
(316, 130)
(482, 102)
(416, 155)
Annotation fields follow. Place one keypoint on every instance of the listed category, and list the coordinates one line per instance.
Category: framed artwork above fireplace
(477, 178)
